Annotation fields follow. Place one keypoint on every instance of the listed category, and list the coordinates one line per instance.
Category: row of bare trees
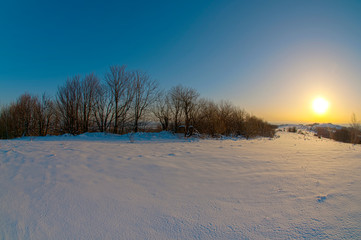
(176, 108)
(28, 116)
(351, 134)
(180, 109)
(124, 101)
(116, 105)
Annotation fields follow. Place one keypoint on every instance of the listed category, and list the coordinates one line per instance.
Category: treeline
(350, 134)
(180, 109)
(121, 102)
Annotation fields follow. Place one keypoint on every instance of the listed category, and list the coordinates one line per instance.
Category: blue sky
(270, 57)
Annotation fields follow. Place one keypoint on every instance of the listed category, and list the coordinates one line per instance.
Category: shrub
(292, 129)
(341, 135)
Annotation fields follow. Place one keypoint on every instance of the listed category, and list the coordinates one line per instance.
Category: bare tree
(44, 113)
(206, 119)
(29, 116)
(68, 104)
(145, 92)
(25, 111)
(355, 130)
(238, 121)
(162, 110)
(218, 119)
(120, 85)
(257, 127)
(176, 106)
(102, 108)
(5, 120)
(188, 98)
(9, 126)
(231, 119)
(89, 86)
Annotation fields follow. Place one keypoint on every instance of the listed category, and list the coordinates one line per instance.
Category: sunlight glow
(320, 105)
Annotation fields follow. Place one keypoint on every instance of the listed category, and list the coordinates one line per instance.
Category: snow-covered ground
(157, 186)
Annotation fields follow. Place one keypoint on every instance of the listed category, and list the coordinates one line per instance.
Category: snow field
(160, 187)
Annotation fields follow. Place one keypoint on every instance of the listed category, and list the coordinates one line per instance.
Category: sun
(320, 105)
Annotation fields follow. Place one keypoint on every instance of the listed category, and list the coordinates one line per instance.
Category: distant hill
(326, 130)
(310, 127)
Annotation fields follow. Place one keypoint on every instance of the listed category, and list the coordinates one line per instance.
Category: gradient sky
(270, 57)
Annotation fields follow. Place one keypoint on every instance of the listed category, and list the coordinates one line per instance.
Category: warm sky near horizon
(272, 58)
